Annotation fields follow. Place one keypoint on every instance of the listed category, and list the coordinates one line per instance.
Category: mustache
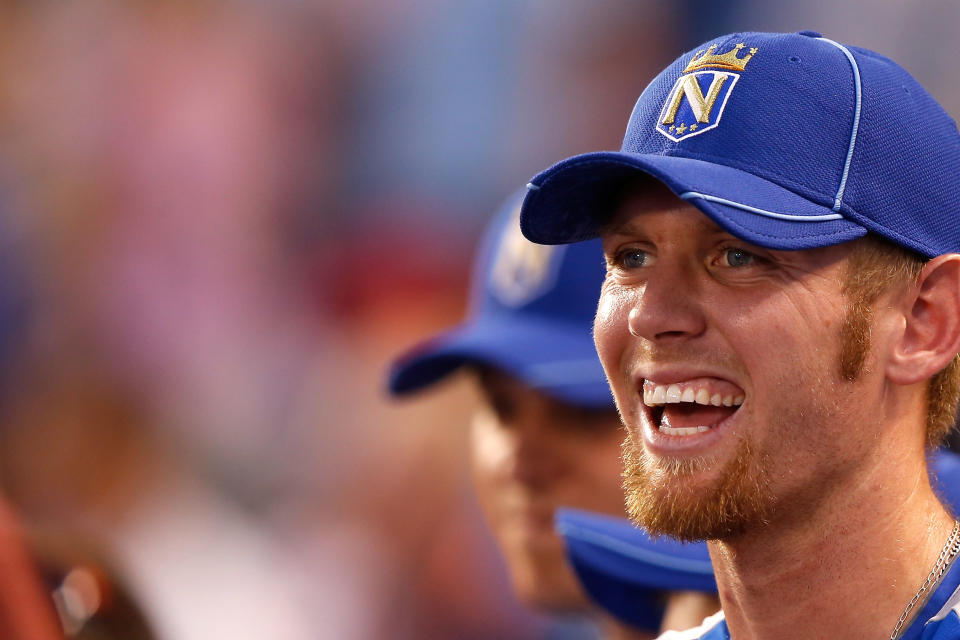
(646, 352)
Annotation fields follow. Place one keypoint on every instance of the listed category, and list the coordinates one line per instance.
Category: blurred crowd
(219, 220)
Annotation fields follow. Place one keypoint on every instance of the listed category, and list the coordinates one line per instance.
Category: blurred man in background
(544, 433)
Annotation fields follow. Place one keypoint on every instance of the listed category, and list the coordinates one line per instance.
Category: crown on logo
(729, 60)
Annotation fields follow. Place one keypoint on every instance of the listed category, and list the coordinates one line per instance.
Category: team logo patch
(699, 96)
(522, 270)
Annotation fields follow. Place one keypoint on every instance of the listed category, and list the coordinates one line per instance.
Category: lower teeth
(682, 431)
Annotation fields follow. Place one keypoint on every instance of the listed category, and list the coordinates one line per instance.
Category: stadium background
(220, 220)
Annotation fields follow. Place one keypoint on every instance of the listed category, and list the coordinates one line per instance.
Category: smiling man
(779, 324)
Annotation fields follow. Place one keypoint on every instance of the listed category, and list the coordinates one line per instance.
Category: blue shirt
(939, 619)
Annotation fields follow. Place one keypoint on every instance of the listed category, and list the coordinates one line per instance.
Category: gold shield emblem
(521, 270)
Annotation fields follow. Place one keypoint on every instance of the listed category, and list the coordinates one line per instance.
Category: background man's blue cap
(625, 571)
(531, 316)
(787, 141)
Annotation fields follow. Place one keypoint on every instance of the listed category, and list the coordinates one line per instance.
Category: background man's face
(530, 455)
(691, 313)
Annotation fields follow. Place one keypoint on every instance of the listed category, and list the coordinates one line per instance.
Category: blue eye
(632, 258)
(738, 257)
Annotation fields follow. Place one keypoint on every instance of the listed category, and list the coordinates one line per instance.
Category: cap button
(810, 34)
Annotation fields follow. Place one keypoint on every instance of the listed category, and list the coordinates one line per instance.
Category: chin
(548, 585)
(553, 598)
(692, 503)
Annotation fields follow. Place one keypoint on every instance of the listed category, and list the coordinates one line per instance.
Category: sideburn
(855, 338)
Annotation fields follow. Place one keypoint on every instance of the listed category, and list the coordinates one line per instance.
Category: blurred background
(219, 221)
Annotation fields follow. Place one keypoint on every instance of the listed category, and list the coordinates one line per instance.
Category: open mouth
(691, 407)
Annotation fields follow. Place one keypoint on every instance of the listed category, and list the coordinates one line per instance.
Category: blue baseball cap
(787, 141)
(625, 571)
(531, 316)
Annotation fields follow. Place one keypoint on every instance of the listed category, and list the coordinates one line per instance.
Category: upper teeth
(657, 394)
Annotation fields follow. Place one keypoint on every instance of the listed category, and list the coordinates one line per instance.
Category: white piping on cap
(690, 195)
(856, 121)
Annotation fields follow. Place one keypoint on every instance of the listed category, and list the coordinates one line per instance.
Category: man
(545, 432)
(779, 324)
(612, 556)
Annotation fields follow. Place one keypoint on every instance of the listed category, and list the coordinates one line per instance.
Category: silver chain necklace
(950, 549)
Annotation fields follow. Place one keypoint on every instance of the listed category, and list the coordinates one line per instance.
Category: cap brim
(625, 571)
(550, 356)
(566, 202)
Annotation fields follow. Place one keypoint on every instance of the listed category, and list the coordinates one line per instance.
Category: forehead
(652, 201)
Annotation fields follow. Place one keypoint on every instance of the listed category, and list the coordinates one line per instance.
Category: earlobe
(931, 331)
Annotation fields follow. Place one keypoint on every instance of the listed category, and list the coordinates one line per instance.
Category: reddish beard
(666, 497)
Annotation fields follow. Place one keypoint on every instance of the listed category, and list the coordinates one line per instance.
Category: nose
(667, 307)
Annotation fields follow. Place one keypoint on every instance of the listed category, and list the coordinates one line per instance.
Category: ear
(931, 333)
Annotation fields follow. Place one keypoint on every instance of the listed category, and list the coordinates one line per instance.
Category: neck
(848, 568)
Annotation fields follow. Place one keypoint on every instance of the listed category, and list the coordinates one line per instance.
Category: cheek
(602, 469)
(812, 344)
(616, 346)
(610, 329)
(793, 330)
(491, 454)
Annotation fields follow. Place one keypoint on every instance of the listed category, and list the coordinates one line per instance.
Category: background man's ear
(931, 336)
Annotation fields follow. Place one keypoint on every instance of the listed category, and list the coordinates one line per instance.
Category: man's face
(724, 362)
(530, 455)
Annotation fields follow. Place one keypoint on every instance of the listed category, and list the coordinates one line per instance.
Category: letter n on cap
(695, 103)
